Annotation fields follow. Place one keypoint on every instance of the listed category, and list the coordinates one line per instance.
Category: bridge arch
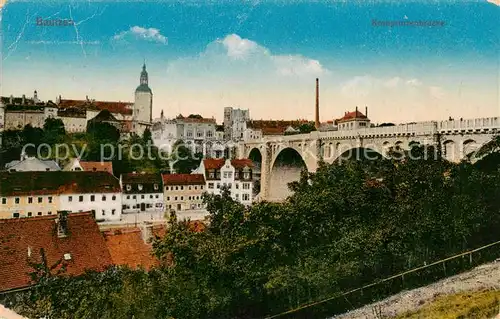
(285, 168)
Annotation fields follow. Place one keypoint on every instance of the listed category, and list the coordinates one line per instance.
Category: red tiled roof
(351, 116)
(213, 163)
(21, 237)
(127, 247)
(217, 163)
(114, 107)
(241, 163)
(97, 166)
(183, 179)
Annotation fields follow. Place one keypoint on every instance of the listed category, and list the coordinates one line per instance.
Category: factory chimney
(316, 122)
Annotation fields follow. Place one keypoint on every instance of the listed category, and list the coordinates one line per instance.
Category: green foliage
(184, 159)
(53, 131)
(345, 225)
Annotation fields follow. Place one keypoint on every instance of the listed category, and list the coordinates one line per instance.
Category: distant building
(32, 164)
(198, 134)
(79, 165)
(141, 192)
(236, 175)
(183, 191)
(353, 121)
(75, 240)
(235, 123)
(256, 129)
(17, 112)
(28, 194)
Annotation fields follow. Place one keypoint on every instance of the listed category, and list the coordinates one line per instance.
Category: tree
(53, 131)
(184, 159)
(195, 116)
(307, 128)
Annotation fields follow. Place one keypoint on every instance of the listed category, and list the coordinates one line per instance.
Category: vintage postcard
(249, 159)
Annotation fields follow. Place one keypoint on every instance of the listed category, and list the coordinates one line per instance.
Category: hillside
(484, 277)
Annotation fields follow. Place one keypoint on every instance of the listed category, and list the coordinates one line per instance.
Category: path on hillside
(486, 276)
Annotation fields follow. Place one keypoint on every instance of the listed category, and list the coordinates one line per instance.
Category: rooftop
(124, 108)
(57, 182)
(183, 179)
(217, 163)
(21, 240)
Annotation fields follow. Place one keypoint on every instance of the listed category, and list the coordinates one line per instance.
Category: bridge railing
(470, 124)
(422, 128)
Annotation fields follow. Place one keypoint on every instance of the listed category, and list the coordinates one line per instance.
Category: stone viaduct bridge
(282, 158)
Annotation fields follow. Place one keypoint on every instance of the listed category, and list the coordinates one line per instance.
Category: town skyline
(259, 57)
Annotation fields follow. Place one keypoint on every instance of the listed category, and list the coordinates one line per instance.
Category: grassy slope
(481, 304)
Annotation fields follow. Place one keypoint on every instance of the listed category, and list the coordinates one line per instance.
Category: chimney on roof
(366, 111)
(35, 97)
(58, 99)
(62, 223)
(11, 99)
(23, 99)
(316, 120)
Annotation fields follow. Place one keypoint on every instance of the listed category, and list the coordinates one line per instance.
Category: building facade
(236, 175)
(28, 194)
(235, 123)
(183, 191)
(141, 193)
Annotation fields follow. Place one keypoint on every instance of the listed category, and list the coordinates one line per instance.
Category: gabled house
(237, 175)
(141, 192)
(32, 164)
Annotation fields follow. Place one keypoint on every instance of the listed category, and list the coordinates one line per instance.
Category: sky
(264, 56)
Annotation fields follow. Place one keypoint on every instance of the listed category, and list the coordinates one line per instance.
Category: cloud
(366, 85)
(239, 58)
(140, 33)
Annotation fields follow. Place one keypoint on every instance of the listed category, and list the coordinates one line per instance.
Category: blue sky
(261, 55)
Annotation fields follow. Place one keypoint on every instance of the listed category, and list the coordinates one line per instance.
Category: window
(129, 187)
(39, 214)
(182, 197)
(113, 198)
(189, 188)
(40, 199)
(103, 212)
(245, 197)
(92, 198)
(80, 198)
(30, 214)
(210, 185)
(15, 215)
(30, 200)
(230, 185)
(50, 199)
(134, 197)
(151, 196)
(237, 196)
(124, 206)
(16, 200)
(156, 187)
(218, 185)
(201, 187)
(128, 196)
(246, 185)
(168, 197)
(70, 198)
(176, 187)
(175, 197)
(182, 188)
(189, 197)
(237, 186)
(103, 198)
(142, 196)
(156, 196)
(113, 211)
(50, 213)
(140, 187)
(4, 201)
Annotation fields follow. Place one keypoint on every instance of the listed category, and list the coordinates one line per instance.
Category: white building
(353, 121)
(235, 123)
(198, 134)
(31, 164)
(142, 193)
(98, 192)
(236, 175)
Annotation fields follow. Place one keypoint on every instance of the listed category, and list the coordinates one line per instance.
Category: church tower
(143, 104)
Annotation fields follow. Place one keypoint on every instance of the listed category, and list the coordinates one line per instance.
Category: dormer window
(140, 187)
(156, 187)
(129, 187)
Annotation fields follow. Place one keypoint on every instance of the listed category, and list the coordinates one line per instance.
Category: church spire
(144, 75)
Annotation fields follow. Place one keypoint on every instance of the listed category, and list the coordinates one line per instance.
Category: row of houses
(40, 193)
